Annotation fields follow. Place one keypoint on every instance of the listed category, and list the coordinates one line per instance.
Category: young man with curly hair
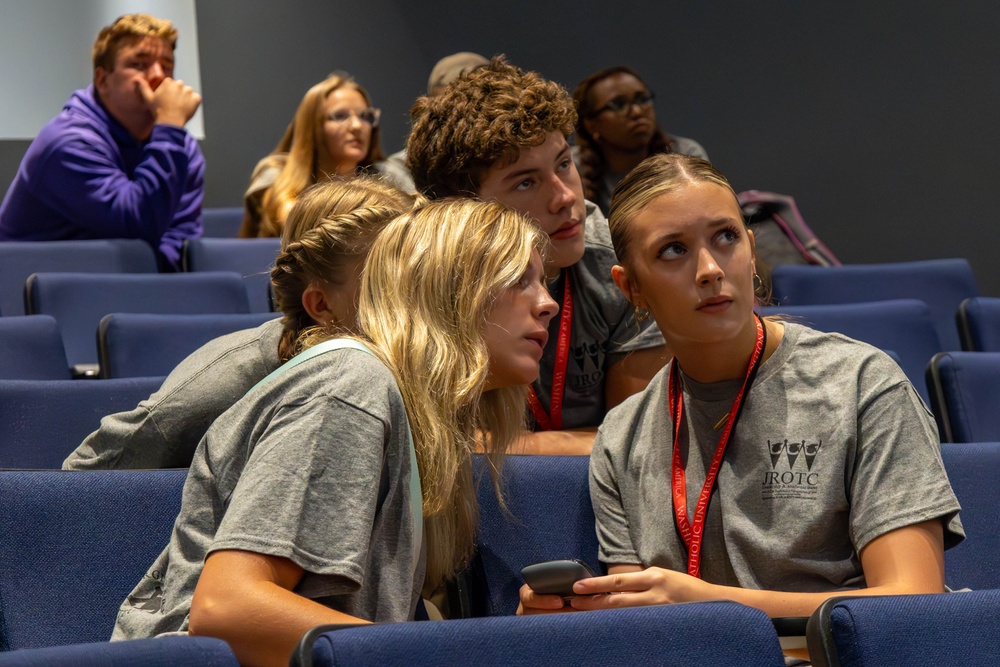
(501, 133)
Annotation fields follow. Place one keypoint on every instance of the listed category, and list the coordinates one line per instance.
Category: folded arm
(85, 181)
(246, 599)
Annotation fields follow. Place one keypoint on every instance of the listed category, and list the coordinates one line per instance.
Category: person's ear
(753, 251)
(626, 285)
(100, 78)
(590, 126)
(316, 303)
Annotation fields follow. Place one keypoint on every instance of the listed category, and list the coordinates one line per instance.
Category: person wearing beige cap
(445, 71)
(451, 67)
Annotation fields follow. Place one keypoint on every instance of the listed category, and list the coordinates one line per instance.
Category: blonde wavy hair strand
(429, 283)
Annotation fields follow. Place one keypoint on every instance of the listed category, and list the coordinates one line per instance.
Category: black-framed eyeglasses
(369, 116)
(622, 105)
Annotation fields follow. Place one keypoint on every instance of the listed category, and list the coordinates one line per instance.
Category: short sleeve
(310, 489)
(898, 477)
(632, 335)
(614, 542)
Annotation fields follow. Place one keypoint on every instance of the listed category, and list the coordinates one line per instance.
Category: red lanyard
(692, 531)
(555, 423)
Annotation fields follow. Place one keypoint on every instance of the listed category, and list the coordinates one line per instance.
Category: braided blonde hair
(331, 225)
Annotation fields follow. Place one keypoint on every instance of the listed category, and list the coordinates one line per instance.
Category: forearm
(169, 186)
(570, 442)
(86, 183)
(261, 621)
(247, 599)
(904, 561)
(781, 603)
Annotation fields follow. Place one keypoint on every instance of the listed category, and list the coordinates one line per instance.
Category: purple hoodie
(85, 177)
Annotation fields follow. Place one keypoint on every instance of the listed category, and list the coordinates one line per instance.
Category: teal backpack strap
(314, 351)
(416, 500)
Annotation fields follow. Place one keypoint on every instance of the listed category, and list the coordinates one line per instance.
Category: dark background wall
(879, 118)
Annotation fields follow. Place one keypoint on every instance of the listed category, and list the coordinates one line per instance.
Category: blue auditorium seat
(251, 258)
(43, 421)
(972, 470)
(942, 283)
(136, 344)
(19, 259)
(75, 544)
(221, 222)
(548, 517)
(156, 652)
(978, 321)
(965, 395)
(31, 348)
(953, 629)
(721, 634)
(78, 301)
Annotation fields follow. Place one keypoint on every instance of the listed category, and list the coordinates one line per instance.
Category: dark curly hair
(480, 120)
(593, 165)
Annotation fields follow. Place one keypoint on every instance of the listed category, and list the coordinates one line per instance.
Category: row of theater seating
(83, 307)
(128, 344)
(75, 543)
(965, 387)
(76, 307)
(252, 259)
(79, 282)
(922, 631)
(43, 421)
(492, 589)
(79, 302)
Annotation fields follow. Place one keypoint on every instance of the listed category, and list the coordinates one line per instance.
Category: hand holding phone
(556, 577)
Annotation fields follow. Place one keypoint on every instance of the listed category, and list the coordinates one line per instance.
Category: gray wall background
(879, 118)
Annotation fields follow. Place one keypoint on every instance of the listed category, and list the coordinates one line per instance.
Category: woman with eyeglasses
(334, 133)
(616, 129)
(767, 463)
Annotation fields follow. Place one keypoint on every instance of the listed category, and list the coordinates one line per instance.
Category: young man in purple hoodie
(117, 161)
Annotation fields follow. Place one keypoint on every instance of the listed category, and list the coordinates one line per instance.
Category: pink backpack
(781, 235)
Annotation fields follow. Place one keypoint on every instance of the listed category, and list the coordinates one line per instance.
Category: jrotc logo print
(589, 359)
(791, 474)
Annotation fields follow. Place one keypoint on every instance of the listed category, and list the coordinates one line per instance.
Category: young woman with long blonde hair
(305, 501)
(335, 133)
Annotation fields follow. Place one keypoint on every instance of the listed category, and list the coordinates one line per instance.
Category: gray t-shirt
(833, 448)
(604, 329)
(394, 170)
(163, 430)
(313, 466)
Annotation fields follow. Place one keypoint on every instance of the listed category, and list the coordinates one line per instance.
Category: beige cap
(451, 67)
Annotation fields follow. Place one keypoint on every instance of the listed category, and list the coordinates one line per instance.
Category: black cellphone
(556, 577)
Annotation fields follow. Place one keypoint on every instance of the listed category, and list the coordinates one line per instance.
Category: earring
(596, 136)
(641, 314)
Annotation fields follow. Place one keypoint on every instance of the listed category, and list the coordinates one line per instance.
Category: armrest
(302, 655)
